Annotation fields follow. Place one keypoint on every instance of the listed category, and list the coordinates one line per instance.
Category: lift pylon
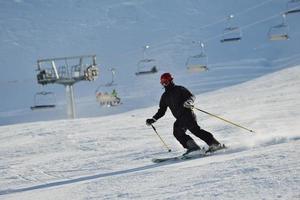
(67, 71)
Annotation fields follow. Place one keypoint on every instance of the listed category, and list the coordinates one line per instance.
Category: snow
(109, 157)
(106, 152)
(116, 32)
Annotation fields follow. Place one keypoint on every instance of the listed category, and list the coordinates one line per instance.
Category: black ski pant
(182, 125)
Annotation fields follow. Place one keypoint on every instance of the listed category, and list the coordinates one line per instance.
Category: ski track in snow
(237, 154)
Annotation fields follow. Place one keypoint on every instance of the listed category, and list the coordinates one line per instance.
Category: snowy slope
(116, 31)
(110, 157)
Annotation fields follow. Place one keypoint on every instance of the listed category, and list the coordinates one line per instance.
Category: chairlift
(293, 6)
(105, 98)
(231, 33)
(44, 100)
(108, 99)
(109, 84)
(113, 74)
(146, 65)
(280, 31)
(65, 71)
(198, 62)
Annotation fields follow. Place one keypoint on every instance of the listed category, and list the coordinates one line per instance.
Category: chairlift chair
(231, 33)
(105, 98)
(44, 100)
(293, 6)
(198, 62)
(279, 32)
(146, 65)
(108, 84)
(108, 99)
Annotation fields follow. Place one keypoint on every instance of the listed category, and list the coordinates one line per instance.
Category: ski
(177, 158)
(193, 155)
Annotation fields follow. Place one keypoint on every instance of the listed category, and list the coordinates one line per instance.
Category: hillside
(116, 32)
(110, 157)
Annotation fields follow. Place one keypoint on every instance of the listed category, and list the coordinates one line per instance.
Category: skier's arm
(189, 103)
(162, 109)
(161, 112)
(189, 99)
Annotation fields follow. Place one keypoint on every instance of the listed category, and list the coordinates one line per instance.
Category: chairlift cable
(253, 7)
(248, 25)
(223, 20)
(226, 18)
(236, 14)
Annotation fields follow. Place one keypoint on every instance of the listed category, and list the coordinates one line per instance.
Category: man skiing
(180, 101)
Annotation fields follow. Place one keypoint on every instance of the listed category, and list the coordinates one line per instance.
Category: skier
(180, 101)
(116, 99)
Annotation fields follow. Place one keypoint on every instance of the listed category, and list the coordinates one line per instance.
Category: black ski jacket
(174, 97)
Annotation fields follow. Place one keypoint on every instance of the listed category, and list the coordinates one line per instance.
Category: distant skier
(180, 101)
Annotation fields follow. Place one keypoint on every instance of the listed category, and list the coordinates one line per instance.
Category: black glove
(150, 121)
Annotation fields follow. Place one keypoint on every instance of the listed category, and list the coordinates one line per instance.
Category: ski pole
(224, 120)
(169, 150)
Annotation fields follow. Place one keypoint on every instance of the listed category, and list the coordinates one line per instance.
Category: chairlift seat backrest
(232, 39)
(293, 11)
(279, 32)
(279, 37)
(197, 68)
(293, 6)
(39, 107)
(231, 29)
(201, 55)
(147, 60)
(48, 100)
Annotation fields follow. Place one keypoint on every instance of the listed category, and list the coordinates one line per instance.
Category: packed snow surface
(110, 157)
(116, 31)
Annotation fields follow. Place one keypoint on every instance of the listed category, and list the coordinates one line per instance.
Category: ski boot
(215, 147)
(192, 146)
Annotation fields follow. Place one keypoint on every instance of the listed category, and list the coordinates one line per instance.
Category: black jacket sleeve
(162, 108)
(187, 95)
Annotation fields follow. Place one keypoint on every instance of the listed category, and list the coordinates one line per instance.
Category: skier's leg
(185, 140)
(204, 135)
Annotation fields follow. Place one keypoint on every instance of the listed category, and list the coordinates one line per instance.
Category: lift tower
(67, 71)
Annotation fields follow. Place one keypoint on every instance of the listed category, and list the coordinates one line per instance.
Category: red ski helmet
(166, 79)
